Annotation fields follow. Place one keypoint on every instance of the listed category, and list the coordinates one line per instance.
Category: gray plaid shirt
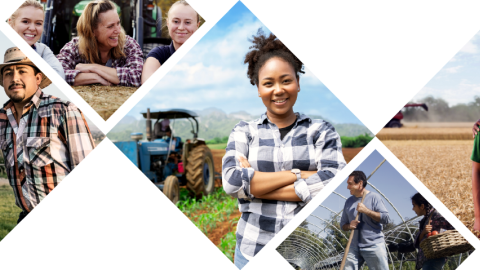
(311, 145)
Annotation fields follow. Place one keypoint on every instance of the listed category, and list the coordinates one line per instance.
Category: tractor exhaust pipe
(149, 126)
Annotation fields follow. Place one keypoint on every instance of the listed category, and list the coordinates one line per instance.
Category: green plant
(8, 210)
(227, 245)
(354, 142)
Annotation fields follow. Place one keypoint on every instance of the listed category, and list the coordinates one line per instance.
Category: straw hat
(14, 56)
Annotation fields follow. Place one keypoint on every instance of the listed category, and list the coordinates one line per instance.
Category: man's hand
(361, 208)
(353, 224)
(475, 128)
(243, 162)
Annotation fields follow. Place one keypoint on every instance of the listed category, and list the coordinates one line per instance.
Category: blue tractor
(168, 161)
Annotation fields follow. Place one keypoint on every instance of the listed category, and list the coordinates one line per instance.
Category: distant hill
(213, 123)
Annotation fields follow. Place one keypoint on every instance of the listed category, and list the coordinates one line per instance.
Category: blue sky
(386, 179)
(458, 81)
(212, 74)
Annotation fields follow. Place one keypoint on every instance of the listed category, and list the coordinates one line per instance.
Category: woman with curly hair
(276, 164)
(101, 53)
(436, 222)
(27, 21)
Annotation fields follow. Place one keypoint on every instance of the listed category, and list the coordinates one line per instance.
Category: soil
(223, 228)
(105, 100)
(350, 153)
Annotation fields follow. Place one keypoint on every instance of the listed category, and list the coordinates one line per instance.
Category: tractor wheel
(171, 188)
(200, 171)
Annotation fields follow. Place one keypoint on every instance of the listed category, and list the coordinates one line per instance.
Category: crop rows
(445, 168)
(460, 133)
(212, 211)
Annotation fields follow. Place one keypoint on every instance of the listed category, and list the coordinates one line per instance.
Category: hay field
(105, 100)
(444, 166)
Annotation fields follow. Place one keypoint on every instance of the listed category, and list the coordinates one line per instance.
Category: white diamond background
(374, 55)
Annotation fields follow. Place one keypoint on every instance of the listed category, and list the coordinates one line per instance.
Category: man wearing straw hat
(42, 137)
(368, 244)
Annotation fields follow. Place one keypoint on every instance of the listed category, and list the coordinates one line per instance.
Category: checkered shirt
(311, 145)
(51, 139)
(129, 69)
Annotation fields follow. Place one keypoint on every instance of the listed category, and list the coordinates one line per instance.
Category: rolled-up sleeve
(130, 74)
(67, 57)
(77, 133)
(236, 180)
(329, 160)
(379, 207)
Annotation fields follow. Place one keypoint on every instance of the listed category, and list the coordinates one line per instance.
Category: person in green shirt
(476, 175)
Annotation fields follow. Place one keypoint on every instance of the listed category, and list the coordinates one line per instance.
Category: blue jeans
(434, 264)
(239, 260)
(375, 256)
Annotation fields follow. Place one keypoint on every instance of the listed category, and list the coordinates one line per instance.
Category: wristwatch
(297, 173)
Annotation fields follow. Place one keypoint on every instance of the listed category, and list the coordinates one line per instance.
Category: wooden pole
(345, 254)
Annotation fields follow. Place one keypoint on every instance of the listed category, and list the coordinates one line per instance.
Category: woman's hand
(475, 128)
(426, 230)
(85, 68)
(243, 162)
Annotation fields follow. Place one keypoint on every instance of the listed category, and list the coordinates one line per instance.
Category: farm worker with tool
(431, 222)
(368, 243)
(27, 21)
(276, 164)
(101, 53)
(182, 21)
(42, 137)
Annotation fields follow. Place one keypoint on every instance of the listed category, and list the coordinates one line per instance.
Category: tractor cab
(167, 160)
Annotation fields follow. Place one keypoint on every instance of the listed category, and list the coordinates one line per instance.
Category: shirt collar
(172, 48)
(36, 98)
(300, 117)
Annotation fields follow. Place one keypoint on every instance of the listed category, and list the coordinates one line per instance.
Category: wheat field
(426, 133)
(444, 166)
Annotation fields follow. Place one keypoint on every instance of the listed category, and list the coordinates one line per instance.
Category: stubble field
(443, 165)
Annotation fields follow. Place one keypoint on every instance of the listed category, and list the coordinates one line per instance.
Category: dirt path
(3, 181)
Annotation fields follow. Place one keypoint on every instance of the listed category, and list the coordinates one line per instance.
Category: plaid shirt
(48, 143)
(129, 69)
(311, 145)
(438, 222)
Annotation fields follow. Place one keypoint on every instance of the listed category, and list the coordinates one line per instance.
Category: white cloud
(452, 69)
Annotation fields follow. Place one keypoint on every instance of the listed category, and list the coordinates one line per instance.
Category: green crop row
(208, 211)
(354, 142)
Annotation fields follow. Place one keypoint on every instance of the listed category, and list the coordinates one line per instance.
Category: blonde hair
(28, 3)
(185, 4)
(87, 23)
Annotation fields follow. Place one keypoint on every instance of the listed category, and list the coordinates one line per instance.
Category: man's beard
(19, 97)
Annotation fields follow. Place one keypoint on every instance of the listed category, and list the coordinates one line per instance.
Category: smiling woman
(182, 21)
(27, 21)
(102, 53)
(276, 164)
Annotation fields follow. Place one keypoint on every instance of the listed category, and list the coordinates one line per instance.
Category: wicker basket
(444, 244)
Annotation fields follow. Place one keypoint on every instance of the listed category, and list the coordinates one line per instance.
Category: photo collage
(239, 135)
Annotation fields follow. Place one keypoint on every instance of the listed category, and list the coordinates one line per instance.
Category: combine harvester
(396, 120)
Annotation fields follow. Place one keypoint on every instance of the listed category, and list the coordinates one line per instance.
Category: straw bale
(105, 100)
